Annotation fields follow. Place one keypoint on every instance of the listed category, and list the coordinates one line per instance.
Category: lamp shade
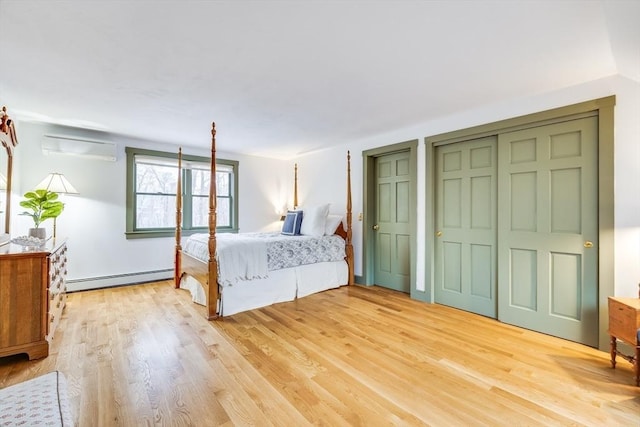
(57, 183)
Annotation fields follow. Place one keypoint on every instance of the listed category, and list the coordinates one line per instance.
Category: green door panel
(548, 186)
(392, 261)
(465, 242)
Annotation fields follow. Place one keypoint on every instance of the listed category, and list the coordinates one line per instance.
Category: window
(152, 179)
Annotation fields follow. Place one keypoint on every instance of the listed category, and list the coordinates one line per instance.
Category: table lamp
(57, 183)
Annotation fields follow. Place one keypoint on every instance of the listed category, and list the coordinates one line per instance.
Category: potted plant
(42, 205)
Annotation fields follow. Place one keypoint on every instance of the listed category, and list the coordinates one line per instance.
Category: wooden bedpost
(213, 296)
(349, 245)
(295, 186)
(178, 267)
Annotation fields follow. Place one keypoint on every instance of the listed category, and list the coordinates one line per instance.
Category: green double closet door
(516, 228)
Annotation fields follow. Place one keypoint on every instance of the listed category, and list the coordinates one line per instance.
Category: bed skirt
(281, 286)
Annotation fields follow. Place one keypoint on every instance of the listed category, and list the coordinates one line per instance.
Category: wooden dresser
(624, 325)
(32, 296)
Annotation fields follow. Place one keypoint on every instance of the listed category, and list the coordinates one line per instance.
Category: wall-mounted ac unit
(53, 144)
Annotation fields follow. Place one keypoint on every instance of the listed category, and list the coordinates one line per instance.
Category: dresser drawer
(56, 305)
(57, 288)
(58, 269)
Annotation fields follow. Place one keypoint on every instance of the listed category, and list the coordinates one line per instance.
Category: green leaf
(43, 205)
(31, 195)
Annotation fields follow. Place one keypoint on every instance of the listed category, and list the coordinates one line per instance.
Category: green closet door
(465, 242)
(548, 229)
(392, 267)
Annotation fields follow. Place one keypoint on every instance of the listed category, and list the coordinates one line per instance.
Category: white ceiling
(281, 78)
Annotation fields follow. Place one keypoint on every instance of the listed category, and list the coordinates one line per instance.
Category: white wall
(94, 221)
(323, 170)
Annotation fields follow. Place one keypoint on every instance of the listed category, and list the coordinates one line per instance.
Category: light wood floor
(145, 355)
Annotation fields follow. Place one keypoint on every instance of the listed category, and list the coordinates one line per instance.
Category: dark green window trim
(132, 232)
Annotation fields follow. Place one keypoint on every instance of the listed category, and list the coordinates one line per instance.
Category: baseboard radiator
(85, 284)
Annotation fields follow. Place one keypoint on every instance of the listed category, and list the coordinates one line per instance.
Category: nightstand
(624, 325)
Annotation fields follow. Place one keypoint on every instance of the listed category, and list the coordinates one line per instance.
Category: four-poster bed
(274, 279)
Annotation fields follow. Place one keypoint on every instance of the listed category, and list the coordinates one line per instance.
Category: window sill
(150, 234)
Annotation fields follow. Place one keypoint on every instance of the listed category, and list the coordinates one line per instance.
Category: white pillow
(332, 223)
(314, 220)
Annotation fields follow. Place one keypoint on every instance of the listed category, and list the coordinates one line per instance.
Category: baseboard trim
(117, 280)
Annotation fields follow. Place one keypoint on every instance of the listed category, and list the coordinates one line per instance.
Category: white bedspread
(239, 257)
(251, 256)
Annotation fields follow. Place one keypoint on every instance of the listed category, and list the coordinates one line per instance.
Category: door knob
(375, 227)
(588, 244)
(439, 233)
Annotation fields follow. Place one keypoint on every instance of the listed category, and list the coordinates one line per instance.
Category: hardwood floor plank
(145, 355)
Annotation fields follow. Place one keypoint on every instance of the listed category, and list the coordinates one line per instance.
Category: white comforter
(239, 257)
(251, 256)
